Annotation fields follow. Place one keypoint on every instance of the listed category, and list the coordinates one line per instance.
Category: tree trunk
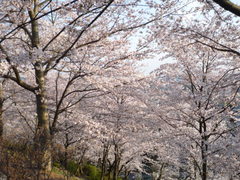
(116, 163)
(204, 161)
(161, 172)
(204, 148)
(1, 111)
(34, 24)
(204, 170)
(104, 161)
(43, 140)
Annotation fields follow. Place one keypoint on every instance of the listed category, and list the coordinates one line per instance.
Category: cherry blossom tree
(75, 40)
(197, 92)
(43, 45)
(7, 95)
(65, 57)
(124, 138)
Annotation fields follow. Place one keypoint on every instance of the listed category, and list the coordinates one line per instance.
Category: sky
(236, 2)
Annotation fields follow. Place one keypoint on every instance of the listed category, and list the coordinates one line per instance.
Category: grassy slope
(58, 174)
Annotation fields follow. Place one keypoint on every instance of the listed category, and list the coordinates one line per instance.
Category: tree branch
(81, 33)
(34, 19)
(229, 6)
(17, 77)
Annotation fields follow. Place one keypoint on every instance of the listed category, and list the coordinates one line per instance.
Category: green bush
(56, 164)
(73, 168)
(92, 172)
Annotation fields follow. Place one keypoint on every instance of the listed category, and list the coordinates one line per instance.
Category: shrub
(73, 168)
(92, 172)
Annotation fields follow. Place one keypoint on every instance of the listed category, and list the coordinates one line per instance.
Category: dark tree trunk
(204, 148)
(1, 111)
(104, 161)
(116, 163)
